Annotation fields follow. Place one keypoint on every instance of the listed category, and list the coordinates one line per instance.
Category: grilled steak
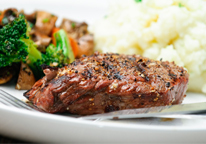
(107, 82)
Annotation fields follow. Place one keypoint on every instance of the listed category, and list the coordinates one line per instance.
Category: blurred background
(72, 9)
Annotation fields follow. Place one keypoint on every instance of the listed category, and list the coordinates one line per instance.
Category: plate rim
(62, 118)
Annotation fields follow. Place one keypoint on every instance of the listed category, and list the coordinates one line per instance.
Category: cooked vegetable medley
(33, 40)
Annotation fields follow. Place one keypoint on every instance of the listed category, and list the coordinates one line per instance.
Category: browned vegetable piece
(26, 78)
(40, 39)
(6, 74)
(74, 29)
(31, 17)
(86, 45)
(45, 22)
(8, 16)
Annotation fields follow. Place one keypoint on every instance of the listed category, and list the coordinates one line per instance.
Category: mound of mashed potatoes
(174, 30)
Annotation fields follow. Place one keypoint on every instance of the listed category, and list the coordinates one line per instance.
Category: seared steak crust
(107, 82)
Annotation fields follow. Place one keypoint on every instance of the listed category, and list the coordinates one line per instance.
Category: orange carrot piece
(54, 30)
(74, 45)
(1, 16)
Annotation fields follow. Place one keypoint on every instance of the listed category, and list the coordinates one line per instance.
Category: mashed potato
(174, 30)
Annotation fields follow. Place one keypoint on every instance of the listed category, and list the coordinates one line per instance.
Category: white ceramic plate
(41, 127)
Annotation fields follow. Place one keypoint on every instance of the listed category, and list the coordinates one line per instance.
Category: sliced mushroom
(40, 39)
(74, 29)
(86, 45)
(31, 17)
(6, 74)
(8, 16)
(26, 78)
(45, 22)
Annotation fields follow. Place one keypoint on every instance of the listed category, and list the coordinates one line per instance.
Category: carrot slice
(1, 16)
(74, 45)
(55, 29)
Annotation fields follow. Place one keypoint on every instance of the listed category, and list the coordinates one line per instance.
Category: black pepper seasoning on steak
(107, 82)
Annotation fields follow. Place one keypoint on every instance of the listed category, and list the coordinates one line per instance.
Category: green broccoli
(15, 46)
(12, 45)
(60, 54)
(56, 56)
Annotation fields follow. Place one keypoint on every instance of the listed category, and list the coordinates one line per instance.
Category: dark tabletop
(4, 139)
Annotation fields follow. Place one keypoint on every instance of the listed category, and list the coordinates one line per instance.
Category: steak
(107, 82)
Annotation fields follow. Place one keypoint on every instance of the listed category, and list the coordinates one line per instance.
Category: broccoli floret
(12, 45)
(56, 56)
(63, 51)
(15, 46)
